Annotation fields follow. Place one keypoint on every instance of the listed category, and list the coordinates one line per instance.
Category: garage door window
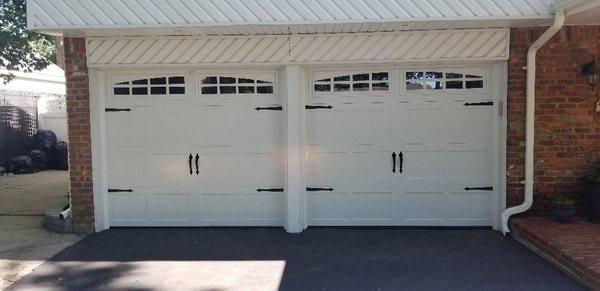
(443, 80)
(154, 85)
(351, 82)
(232, 85)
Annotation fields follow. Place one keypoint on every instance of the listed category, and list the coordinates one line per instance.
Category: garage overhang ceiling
(277, 17)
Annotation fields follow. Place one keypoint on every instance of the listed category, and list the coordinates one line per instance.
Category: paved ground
(24, 244)
(34, 193)
(317, 259)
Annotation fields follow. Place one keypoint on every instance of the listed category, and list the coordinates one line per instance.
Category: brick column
(80, 155)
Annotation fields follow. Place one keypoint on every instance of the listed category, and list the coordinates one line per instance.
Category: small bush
(562, 202)
(593, 174)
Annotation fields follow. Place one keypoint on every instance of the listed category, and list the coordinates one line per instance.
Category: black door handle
(197, 158)
(190, 158)
(489, 103)
(393, 162)
(401, 158)
(312, 189)
(269, 190)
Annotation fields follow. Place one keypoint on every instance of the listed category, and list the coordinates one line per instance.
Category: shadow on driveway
(316, 259)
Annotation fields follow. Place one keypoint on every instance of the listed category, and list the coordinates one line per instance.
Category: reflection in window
(439, 80)
(359, 82)
(174, 85)
(214, 85)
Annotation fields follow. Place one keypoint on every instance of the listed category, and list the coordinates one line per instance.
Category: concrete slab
(24, 245)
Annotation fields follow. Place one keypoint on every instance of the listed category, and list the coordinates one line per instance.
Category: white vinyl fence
(52, 114)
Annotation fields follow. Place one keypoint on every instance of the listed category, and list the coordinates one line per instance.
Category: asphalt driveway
(317, 259)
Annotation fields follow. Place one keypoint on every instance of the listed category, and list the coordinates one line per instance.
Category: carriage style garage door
(400, 147)
(194, 149)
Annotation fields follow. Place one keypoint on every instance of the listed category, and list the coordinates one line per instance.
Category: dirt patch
(33, 194)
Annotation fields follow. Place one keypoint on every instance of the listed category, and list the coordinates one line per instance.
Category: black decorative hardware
(489, 103)
(116, 109)
(318, 107)
(190, 158)
(393, 162)
(269, 108)
(269, 190)
(111, 190)
(312, 189)
(401, 158)
(479, 188)
(197, 158)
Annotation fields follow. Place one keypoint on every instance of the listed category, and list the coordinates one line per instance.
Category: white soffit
(456, 45)
(62, 16)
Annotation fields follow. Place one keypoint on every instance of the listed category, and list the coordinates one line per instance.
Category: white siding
(82, 14)
(488, 44)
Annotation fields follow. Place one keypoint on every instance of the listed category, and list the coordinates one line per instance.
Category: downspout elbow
(559, 20)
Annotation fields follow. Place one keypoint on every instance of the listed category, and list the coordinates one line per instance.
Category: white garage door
(400, 147)
(194, 149)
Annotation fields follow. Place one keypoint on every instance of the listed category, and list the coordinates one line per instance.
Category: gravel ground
(33, 194)
(24, 243)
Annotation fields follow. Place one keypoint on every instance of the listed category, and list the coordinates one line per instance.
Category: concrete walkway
(317, 259)
(24, 245)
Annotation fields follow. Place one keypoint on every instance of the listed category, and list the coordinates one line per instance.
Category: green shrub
(593, 174)
(562, 202)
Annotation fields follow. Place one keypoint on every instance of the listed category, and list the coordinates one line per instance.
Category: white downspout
(559, 20)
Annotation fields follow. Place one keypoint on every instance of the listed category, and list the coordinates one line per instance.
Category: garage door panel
(328, 208)
(367, 127)
(169, 128)
(214, 209)
(168, 169)
(126, 210)
(126, 169)
(427, 208)
(469, 164)
(134, 135)
(216, 166)
(260, 128)
(169, 209)
(259, 166)
(326, 127)
(372, 208)
(264, 209)
(469, 208)
(218, 128)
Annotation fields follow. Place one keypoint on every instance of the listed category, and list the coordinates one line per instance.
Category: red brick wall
(566, 123)
(80, 156)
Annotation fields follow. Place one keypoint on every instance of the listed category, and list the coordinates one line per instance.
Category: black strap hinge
(112, 190)
(116, 109)
(269, 190)
(313, 189)
(318, 107)
(479, 188)
(269, 108)
(489, 103)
